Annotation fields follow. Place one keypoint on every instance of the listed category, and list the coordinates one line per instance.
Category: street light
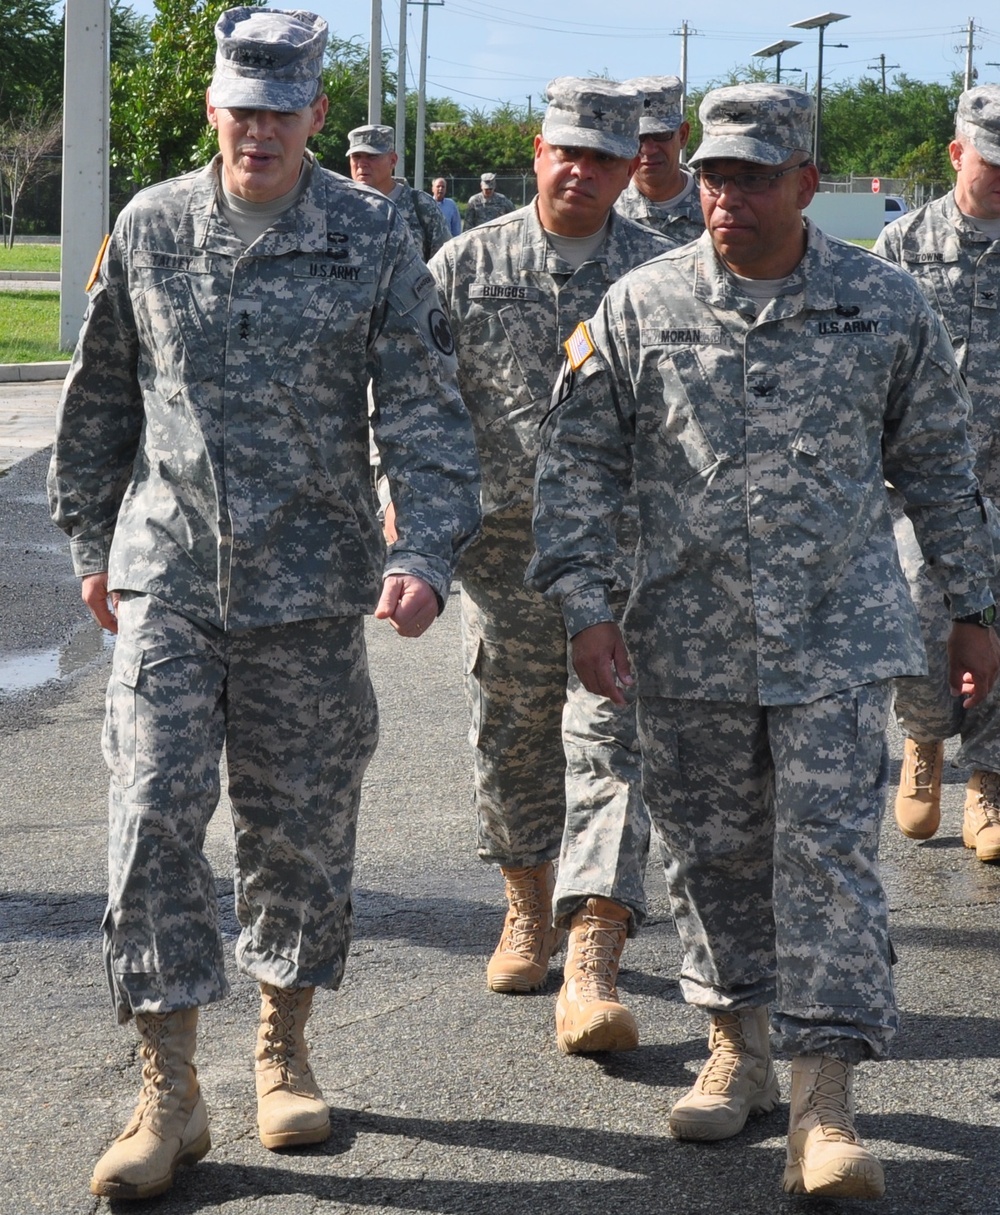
(776, 50)
(818, 23)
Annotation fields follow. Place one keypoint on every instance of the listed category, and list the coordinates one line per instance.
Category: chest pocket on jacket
(688, 423)
(507, 344)
(838, 421)
(950, 294)
(512, 360)
(167, 305)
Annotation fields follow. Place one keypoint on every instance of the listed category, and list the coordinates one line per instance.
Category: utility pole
(874, 67)
(375, 66)
(401, 92)
(970, 46)
(418, 166)
(684, 33)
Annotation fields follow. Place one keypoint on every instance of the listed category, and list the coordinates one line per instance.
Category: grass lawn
(30, 257)
(29, 327)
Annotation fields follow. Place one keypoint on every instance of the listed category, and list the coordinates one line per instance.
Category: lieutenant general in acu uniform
(211, 469)
(662, 194)
(952, 248)
(515, 288)
(754, 386)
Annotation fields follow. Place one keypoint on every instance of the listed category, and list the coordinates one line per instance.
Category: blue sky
(482, 54)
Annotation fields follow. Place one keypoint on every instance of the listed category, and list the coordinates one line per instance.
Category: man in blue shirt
(449, 208)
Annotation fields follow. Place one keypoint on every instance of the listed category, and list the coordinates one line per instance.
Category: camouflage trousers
(294, 709)
(770, 818)
(556, 768)
(925, 707)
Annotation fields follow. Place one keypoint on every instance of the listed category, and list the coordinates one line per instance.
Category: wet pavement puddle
(25, 671)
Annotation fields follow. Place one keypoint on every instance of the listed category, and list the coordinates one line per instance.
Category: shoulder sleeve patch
(578, 346)
(97, 263)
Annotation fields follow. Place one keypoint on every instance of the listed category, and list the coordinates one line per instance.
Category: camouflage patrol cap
(661, 111)
(593, 113)
(762, 123)
(373, 139)
(978, 120)
(267, 59)
(488, 179)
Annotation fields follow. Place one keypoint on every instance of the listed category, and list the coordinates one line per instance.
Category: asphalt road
(446, 1099)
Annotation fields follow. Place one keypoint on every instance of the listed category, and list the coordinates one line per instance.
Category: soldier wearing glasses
(661, 194)
(757, 387)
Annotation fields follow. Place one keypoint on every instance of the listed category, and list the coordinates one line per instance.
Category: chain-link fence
(520, 188)
(915, 193)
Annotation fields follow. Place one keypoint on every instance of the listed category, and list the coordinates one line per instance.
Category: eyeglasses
(746, 183)
(658, 136)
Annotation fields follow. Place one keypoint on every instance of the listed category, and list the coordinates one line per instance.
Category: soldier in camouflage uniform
(752, 386)
(952, 248)
(211, 469)
(661, 194)
(372, 154)
(515, 289)
(487, 204)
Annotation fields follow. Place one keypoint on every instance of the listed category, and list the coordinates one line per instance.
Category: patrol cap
(593, 113)
(762, 123)
(488, 179)
(373, 139)
(267, 59)
(661, 111)
(978, 120)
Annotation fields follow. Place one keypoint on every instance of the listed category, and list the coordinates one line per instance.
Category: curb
(24, 373)
(29, 276)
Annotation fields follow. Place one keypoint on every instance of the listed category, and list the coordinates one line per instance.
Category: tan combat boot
(918, 800)
(589, 1015)
(825, 1155)
(981, 826)
(738, 1080)
(290, 1108)
(170, 1124)
(521, 960)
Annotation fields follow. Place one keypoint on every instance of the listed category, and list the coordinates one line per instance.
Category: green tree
(502, 142)
(28, 141)
(868, 132)
(345, 75)
(928, 164)
(31, 54)
(130, 42)
(158, 126)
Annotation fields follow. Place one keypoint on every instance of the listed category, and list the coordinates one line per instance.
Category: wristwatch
(987, 617)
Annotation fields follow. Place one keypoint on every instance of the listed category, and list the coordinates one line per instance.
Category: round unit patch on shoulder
(440, 331)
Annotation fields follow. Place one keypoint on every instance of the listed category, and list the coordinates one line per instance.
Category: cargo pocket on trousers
(118, 735)
(473, 654)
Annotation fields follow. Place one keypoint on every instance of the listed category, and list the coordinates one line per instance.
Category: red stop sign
(876, 185)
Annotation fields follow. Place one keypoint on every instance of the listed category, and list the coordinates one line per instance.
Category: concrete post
(86, 148)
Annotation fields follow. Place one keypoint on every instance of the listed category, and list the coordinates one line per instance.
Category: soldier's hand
(408, 603)
(601, 661)
(974, 662)
(94, 591)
